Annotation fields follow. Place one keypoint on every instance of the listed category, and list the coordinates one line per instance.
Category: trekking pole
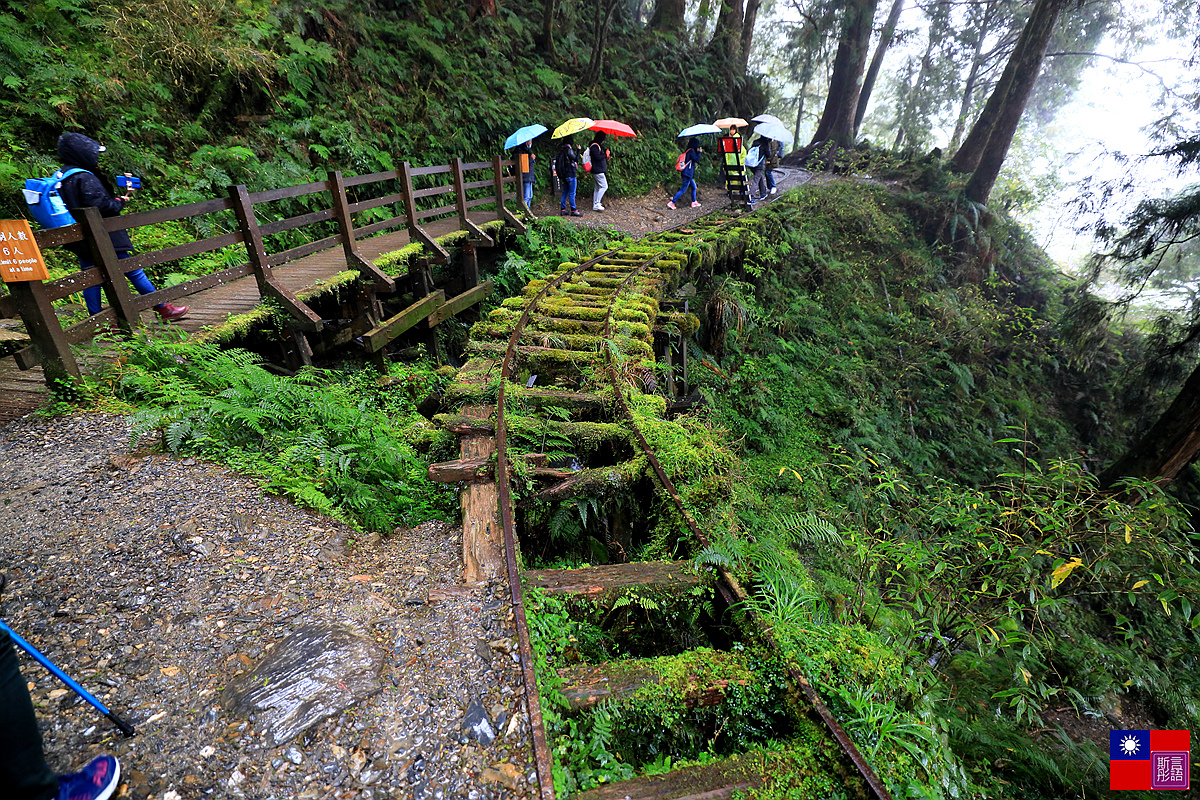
(121, 724)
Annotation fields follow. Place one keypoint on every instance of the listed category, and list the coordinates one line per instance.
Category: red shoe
(169, 311)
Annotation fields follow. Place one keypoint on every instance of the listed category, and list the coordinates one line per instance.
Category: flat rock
(318, 671)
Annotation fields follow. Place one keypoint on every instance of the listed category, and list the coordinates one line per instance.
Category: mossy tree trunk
(837, 120)
(604, 15)
(668, 16)
(1169, 446)
(549, 7)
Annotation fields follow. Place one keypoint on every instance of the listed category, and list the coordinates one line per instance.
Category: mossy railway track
(587, 333)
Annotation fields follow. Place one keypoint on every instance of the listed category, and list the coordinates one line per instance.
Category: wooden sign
(20, 259)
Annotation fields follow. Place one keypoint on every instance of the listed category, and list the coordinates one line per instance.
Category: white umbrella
(696, 130)
(775, 132)
(767, 118)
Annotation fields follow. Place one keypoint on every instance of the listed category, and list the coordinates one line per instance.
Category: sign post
(20, 258)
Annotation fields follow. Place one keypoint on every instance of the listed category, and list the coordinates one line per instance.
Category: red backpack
(681, 162)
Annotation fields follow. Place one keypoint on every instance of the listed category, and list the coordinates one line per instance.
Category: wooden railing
(446, 191)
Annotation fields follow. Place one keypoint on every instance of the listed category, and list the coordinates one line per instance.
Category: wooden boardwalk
(21, 391)
(214, 306)
(441, 200)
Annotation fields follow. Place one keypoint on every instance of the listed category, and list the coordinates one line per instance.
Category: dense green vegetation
(276, 93)
(891, 460)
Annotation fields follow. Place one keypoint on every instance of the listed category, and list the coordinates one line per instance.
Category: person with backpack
(83, 186)
(565, 166)
(525, 161)
(687, 172)
(598, 158)
(756, 161)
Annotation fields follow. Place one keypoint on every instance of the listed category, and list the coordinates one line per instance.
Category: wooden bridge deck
(21, 391)
(216, 305)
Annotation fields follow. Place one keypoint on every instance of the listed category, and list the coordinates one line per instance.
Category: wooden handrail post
(341, 210)
(301, 315)
(498, 182)
(410, 203)
(460, 194)
(416, 233)
(256, 251)
(104, 256)
(45, 333)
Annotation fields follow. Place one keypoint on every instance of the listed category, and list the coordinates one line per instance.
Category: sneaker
(670, 204)
(597, 207)
(170, 311)
(97, 781)
(774, 189)
(575, 213)
(695, 204)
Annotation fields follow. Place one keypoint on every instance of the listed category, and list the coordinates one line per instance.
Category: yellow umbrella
(572, 126)
(727, 122)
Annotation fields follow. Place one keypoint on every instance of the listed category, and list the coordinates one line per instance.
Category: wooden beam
(670, 576)
(116, 285)
(378, 337)
(461, 302)
(480, 468)
(483, 536)
(50, 345)
(498, 192)
(415, 232)
(302, 317)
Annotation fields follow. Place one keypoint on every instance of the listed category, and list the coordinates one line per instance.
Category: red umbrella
(613, 127)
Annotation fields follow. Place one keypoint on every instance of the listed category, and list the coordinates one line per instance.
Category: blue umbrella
(526, 134)
(696, 130)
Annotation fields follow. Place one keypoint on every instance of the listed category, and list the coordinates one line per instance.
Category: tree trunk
(703, 15)
(980, 32)
(548, 9)
(604, 14)
(749, 18)
(727, 36)
(1008, 116)
(1167, 447)
(668, 16)
(837, 119)
(885, 41)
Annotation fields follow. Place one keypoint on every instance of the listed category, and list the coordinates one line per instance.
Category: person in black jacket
(565, 165)
(90, 188)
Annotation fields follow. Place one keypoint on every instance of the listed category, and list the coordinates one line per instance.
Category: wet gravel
(155, 581)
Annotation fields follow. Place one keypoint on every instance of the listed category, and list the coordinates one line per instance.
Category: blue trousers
(568, 195)
(770, 181)
(527, 193)
(688, 183)
(91, 295)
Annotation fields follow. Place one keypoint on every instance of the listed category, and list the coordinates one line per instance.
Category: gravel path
(643, 214)
(156, 581)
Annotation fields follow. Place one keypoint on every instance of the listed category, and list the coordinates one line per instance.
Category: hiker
(599, 157)
(687, 175)
(526, 158)
(90, 188)
(756, 161)
(24, 774)
(775, 155)
(565, 166)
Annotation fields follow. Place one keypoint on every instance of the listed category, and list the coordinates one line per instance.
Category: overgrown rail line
(588, 293)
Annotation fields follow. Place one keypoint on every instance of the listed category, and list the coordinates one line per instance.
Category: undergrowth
(343, 443)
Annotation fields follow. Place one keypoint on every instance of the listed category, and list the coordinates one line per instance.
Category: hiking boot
(575, 213)
(695, 204)
(671, 204)
(97, 781)
(170, 311)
